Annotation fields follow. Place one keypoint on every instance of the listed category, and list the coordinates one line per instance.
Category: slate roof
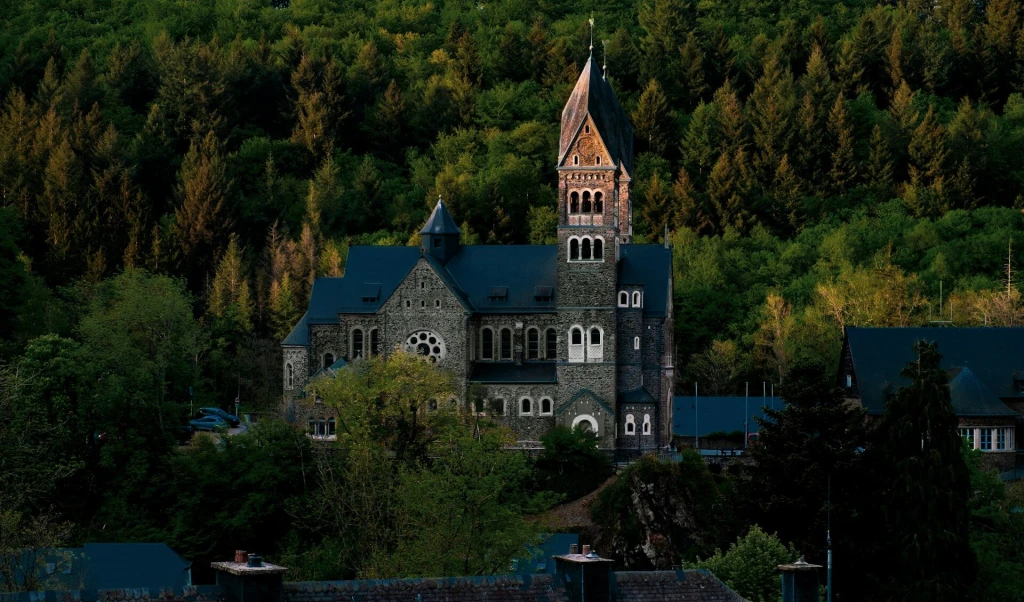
(440, 221)
(970, 397)
(594, 96)
(719, 414)
(117, 566)
(651, 267)
(510, 372)
(539, 558)
(993, 356)
(661, 586)
(638, 395)
(527, 273)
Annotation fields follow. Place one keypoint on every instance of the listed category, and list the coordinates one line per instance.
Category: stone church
(578, 333)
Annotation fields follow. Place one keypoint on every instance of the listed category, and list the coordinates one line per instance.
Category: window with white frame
(630, 425)
(636, 343)
(320, 428)
(968, 433)
(576, 353)
(623, 299)
(574, 249)
(988, 439)
(546, 406)
(985, 439)
(637, 300)
(586, 248)
(595, 345)
(647, 424)
(1001, 439)
(574, 202)
(486, 344)
(525, 406)
(290, 375)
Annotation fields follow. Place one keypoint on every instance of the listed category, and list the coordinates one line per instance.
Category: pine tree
(786, 190)
(771, 108)
(726, 190)
(331, 264)
(60, 198)
(1000, 34)
(700, 142)
(691, 70)
(880, 169)
(537, 44)
(896, 60)
(656, 206)
(665, 23)
(513, 54)
(229, 293)
(925, 194)
(926, 486)
(690, 210)
(731, 123)
(389, 120)
(200, 218)
(284, 307)
(844, 170)
(651, 118)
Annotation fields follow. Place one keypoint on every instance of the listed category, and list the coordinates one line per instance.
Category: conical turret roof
(440, 221)
(594, 96)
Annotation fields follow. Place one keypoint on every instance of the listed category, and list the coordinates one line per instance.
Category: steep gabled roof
(970, 397)
(993, 356)
(383, 266)
(440, 221)
(520, 269)
(649, 266)
(594, 96)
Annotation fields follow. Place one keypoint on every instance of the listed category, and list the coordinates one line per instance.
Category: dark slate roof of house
(525, 276)
(594, 96)
(440, 221)
(993, 355)
(650, 266)
(661, 586)
(719, 414)
(510, 372)
(971, 397)
(136, 565)
(638, 395)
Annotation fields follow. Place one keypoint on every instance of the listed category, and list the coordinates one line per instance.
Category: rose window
(427, 344)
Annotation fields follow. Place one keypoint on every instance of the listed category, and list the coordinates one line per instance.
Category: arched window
(328, 360)
(586, 249)
(574, 249)
(598, 197)
(545, 406)
(595, 348)
(357, 343)
(630, 425)
(636, 343)
(374, 342)
(550, 344)
(525, 406)
(575, 159)
(574, 202)
(586, 202)
(597, 160)
(576, 344)
(487, 344)
(291, 375)
(636, 299)
(623, 299)
(408, 304)
(533, 344)
(437, 303)
(499, 406)
(586, 128)
(647, 424)
(506, 344)
(598, 249)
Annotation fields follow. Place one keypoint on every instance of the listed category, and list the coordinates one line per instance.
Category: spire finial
(591, 34)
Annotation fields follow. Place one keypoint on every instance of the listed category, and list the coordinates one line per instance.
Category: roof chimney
(800, 581)
(249, 579)
(586, 577)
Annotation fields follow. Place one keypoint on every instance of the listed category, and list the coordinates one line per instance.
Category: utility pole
(828, 538)
(746, 416)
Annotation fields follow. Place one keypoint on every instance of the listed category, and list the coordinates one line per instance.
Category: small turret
(440, 236)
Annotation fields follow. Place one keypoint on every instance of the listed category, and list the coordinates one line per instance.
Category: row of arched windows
(631, 425)
(526, 406)
(540, 345)
(624, 299)
(360, 344)
(586, 346)
(586, 203)
(586, 248)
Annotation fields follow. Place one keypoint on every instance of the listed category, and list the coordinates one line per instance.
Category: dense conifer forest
(174, 174)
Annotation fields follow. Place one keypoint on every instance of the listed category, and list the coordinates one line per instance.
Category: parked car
(208, 423)
(226, 417)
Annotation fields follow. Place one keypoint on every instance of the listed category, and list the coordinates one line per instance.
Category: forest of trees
(819, 165)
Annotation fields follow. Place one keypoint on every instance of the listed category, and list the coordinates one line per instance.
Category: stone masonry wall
(195, 593)
(529, 428)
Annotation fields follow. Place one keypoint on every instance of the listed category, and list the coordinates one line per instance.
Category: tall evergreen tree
(200, 218)
(840, 128)
(652, 119)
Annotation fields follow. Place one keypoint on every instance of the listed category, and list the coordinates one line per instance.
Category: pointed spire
(440, 221)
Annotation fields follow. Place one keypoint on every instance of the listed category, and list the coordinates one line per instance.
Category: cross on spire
(591, 33)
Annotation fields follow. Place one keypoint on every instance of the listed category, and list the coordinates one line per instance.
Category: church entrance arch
(586, 422)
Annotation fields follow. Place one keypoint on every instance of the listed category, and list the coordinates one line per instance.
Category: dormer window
(498, 293)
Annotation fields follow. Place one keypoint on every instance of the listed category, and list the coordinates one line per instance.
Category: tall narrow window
(595, 349)
(586, 128)
(487, 344)
(574, 249)
(576, 344)
(374, 342)
(586, 201)
(630, 425)
(597, 160)
(1001, 438)
(968, 433)
(586, 249)
(636, 299)
(545, 407)
(598, 197)
(636, 343)
(291, 376)
(525, 406)
(357, 343)
(328, 360)
(550, 344)
(647, 424)
(985, 439)
(575, 159)
(574, 202)
(623, 299)
(598, 249)
(533, 344)
(506, 344)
